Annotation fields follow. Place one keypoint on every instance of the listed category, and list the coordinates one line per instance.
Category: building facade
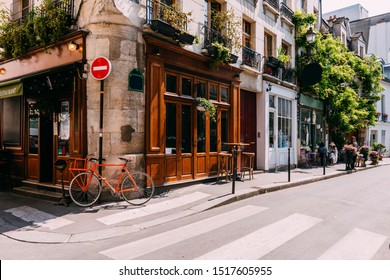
(159, 73)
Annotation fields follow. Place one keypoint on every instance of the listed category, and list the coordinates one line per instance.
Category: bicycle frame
(93, 170)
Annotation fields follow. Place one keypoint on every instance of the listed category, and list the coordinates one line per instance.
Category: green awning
(312, 102)
(11, 88)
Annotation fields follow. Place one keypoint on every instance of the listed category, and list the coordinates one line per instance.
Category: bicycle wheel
(137, 188)
(81, 195)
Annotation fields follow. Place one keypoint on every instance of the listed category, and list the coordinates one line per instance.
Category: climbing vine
(349, 85)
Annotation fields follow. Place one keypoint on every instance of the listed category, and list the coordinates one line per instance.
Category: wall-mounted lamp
(310, 35)
(156, 51)
(269, 87)
(72, 46)
(236, 76)
(2, 71)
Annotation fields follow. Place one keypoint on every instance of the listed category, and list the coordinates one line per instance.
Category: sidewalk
(115, 219)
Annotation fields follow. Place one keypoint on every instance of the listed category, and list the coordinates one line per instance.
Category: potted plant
(283, 57)
(228, 27)
(364, 150)
(350, 154)
(204, 104)
(374, 156)
(172, 23)
(219, 53)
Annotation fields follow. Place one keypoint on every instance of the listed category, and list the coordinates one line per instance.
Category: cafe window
(305, 132)
(186, 129)
(64, 129)
(224, 129)
(171, 83)
(213, 136)
(201, 89)
(213, 92)
(186, 86)
(224, 94)
(284, 122)
(201, 132)
(10, 115)
(170, 129)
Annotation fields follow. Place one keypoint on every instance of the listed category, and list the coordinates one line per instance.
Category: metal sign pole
(101, 126)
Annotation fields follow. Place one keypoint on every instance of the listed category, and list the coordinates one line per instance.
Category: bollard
(288, 165)
(324, 163)
(61, 165)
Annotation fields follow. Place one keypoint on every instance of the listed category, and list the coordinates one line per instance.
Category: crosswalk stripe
(38, 218)
(147, 245)
(152, 208)
(259, 243)
(356, 245)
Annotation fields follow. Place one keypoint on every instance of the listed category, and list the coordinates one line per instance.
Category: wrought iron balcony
(273, 3)
(251, 58)
(20, 14)
(288, 75)
(275, 68)
(212, 36)
(156, 10)
(286, 12)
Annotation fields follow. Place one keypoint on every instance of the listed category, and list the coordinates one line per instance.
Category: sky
(374, 7)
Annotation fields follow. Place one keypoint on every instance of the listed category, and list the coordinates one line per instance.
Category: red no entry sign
(100, 68)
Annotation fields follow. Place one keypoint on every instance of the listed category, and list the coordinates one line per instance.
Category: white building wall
(379, 41)
(381, 131)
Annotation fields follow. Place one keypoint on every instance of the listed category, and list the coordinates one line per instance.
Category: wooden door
(248, 120)
(40, 148)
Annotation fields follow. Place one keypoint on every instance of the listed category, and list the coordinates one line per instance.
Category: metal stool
(224, 166)
(248, 162)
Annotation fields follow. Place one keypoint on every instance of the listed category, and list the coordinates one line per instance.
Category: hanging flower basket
(204, 104)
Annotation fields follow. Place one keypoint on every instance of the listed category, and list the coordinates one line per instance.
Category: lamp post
(310, 36)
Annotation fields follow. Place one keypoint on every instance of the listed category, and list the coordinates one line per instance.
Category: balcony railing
(156, 10)
(21, 14)
(251, 58)
(273, 3)
(286, 12)
(212, 36)
(274, 68)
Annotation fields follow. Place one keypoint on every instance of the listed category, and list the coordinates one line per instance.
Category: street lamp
(310, 36)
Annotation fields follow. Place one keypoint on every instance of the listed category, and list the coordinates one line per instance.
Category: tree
(350, 84)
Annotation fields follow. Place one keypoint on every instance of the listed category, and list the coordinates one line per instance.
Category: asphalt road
(341, 218)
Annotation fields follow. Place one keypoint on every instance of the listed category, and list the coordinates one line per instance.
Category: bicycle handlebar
(95, 159)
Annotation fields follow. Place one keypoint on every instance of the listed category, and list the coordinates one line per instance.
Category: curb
(61, 238)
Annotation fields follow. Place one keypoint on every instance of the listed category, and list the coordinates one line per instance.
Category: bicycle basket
(78, 165)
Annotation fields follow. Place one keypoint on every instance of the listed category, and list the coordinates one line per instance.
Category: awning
(11, 88)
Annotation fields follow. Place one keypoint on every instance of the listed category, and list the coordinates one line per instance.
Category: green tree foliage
(44, 25)
(350, 84)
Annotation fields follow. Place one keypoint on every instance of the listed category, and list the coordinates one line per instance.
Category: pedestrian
(322, 150)
(333, 153)
(354, 157)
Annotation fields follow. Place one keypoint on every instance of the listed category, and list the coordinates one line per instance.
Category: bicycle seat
(125, 159)
(95, 159)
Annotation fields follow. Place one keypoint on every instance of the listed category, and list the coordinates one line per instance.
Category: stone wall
(114, 36)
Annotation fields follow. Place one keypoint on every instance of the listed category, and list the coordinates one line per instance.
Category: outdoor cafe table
(234, 152)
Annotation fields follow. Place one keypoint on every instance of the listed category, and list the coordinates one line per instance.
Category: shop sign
(11, 89)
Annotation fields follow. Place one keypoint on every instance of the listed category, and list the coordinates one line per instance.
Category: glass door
(33, 144)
